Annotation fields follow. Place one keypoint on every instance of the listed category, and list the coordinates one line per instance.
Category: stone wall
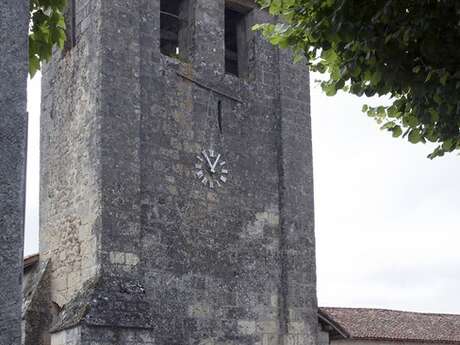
(70, 204)
(14, 21)
(323, 338)
(103, 336)
(235, 263)
(123, 126)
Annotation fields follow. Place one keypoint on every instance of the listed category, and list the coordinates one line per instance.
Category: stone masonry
(139, 250)
(14, 19)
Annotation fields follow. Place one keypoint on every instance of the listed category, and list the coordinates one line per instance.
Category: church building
(176, 200)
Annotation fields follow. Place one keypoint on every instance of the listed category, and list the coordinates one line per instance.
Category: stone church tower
(177, 192)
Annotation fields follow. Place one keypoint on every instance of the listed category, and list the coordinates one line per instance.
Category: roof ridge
(390, 310)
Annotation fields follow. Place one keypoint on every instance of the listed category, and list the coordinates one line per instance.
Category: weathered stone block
(246, 327)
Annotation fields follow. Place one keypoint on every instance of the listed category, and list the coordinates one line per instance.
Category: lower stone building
(361, 326)
(337, 326)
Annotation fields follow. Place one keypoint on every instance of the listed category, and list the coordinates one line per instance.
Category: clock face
(211, 169)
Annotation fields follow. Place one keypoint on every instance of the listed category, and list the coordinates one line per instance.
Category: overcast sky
(387, 218)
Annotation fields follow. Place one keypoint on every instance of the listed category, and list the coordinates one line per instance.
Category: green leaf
(428, 77)
(437, 98)
(443, 78)
(392, 111)
(389, 125)
(376, 78)
(397, 131)
(329, 89)
(34, 65)
(381, 110)
(406, 36)
(449, 145)
(415, 136)
(411, 121)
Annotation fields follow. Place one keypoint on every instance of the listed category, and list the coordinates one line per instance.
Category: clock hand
(207, 159)
(213, 168)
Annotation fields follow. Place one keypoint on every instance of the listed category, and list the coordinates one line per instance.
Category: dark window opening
(236, 58)
(174, 28)
(71, 25)
(74, 23)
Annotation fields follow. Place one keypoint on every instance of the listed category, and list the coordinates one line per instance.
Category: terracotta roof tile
(381, 324)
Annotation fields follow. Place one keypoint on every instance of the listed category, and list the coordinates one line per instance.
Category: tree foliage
(407, 49)
(47, 29)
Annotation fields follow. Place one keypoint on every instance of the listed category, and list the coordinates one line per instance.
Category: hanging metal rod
(169, 14)
(206, 87)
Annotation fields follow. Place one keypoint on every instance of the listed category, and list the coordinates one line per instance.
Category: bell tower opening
(174, 23)
(236, 46)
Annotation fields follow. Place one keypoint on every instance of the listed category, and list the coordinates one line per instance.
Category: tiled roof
(381, 324)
